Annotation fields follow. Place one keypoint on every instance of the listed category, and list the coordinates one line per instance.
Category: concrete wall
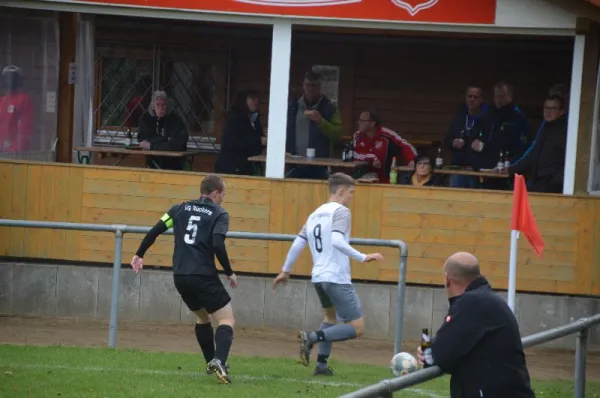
(85, 292)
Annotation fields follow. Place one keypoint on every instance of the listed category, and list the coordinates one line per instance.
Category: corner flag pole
(512, 273)
(522, 221)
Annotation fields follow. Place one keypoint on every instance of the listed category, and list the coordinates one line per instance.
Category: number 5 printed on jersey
(192, 227)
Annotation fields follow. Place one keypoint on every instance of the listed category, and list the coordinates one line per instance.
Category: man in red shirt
(16, 113)
(378, 144)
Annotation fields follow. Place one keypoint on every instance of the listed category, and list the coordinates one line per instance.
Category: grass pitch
(33, 371)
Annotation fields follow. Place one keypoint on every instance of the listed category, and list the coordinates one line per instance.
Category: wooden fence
(435, 222)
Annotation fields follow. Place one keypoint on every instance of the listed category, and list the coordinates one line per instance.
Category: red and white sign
(424, 11)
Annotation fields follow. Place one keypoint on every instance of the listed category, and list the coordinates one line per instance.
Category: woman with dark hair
(243, 136)
(423, 174)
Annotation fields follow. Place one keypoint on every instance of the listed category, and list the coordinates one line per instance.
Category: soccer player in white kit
(327, 232)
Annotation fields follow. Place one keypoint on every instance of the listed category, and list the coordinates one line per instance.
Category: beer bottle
(128, 139)
(426, 348)
(439, 161)
(393, 172)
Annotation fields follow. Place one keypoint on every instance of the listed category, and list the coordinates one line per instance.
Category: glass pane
(594, 178)
(29, 56)
(124, 86)
(192, 86)
(330, 81)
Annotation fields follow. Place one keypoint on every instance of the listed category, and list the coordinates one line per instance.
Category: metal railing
(119, 230)
(386, 388)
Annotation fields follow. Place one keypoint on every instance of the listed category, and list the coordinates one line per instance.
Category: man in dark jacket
(313, 122)
(503, 129)
(479, 343)
(544, 161)
(459, 136)
(161, 129)
(243, 136)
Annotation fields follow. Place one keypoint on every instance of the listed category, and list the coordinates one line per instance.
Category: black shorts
(202, 292)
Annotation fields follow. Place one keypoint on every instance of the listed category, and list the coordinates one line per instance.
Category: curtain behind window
(29, 55)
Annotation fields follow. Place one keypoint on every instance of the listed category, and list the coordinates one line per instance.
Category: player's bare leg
(223, 339)
(324, 348)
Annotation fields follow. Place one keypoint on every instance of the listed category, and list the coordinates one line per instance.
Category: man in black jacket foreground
(479, 343)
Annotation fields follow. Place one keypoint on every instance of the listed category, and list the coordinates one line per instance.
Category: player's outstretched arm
(166, 222)
(338, 241)
(341, 226)
(297, 246)
(218, 241)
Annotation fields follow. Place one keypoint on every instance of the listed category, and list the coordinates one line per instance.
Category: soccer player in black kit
(200, 227)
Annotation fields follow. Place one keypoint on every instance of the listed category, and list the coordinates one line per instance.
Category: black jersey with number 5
(194, 223)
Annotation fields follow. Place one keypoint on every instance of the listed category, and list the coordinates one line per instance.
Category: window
(330, 81)
(594, 174)
(29, 55)
(127, 75)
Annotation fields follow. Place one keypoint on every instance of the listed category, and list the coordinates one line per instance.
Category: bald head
(462, 266)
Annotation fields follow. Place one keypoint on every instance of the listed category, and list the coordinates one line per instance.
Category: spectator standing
(243, 136)
(545, 159)
(161, 129)
(16, 113)
(459, 136)
(503, 129)
(479, 342)
(313, 122)
(378, 145)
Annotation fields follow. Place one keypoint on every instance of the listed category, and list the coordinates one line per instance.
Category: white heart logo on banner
(416, 6)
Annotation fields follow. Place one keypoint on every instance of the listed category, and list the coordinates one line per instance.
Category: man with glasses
(314, 122)
(544, 162)
(423, 175)
(378, 145)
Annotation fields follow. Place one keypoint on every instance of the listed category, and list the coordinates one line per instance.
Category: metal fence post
(580, 362)
(400, 300)
(114, 303)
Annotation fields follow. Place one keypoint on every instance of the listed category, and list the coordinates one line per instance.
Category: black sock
(223, 340)
(322, 359)
(205, 337)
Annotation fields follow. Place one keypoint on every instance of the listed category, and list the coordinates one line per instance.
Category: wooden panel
(59, 212)
(33, 199)
(46, 210)
(74, 213)
(276, 220)
(434, 222)
(19, 193)
(6, 182)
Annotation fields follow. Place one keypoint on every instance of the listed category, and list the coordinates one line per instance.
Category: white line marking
(138, 371)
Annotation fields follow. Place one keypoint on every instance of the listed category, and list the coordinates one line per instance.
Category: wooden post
(587, 103)
(66, 91)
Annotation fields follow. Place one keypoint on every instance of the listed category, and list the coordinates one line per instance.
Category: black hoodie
(479, 344)
(503, 130)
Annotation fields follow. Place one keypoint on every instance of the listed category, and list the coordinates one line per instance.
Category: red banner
(433, 11)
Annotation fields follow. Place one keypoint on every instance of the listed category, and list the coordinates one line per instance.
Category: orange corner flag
(522, 216)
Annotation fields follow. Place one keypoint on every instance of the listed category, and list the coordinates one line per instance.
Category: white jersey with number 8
(330, 264)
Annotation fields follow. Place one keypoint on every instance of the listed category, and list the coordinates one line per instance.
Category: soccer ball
(403, 363)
